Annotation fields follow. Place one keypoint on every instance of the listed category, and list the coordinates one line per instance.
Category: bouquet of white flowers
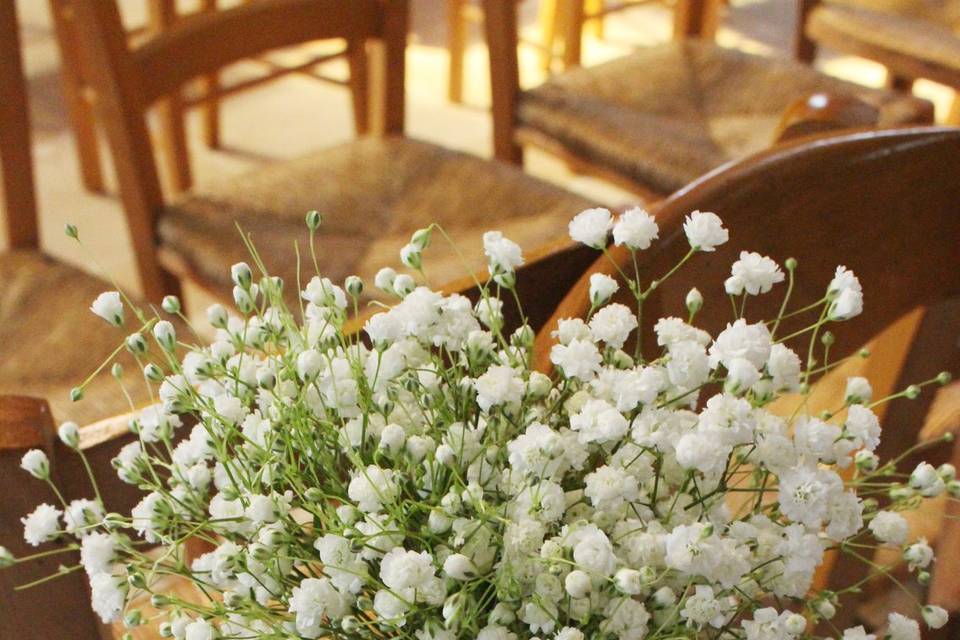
(420, 480)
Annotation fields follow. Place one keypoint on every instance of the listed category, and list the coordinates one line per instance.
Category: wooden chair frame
(130, 79)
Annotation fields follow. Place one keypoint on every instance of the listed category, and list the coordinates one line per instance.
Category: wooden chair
(51, 341)
(374, 192)
(657, 119)
(565, 21)
(912, 38)
(882, 203)
(172, 111)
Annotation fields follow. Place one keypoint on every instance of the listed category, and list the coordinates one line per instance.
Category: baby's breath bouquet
(421, 480)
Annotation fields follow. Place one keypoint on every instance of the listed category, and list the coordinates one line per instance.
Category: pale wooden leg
(594, 24)
(211, 101)
(572, 33)
(170, 110)
(457, 47)
(79, 106)
(359, 86)
(548, 16)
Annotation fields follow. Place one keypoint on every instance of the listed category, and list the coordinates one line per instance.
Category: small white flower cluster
(421, 480)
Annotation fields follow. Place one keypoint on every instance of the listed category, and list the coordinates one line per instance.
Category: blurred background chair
(51, 340)
(374, 192)
(171, 111)
(656, 119)
(913, 39)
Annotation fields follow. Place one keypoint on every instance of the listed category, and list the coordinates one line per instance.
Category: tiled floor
(296, 114)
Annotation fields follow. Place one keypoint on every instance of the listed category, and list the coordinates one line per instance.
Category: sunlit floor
(296, 114)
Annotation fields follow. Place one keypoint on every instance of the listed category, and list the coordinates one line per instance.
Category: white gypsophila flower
(900, 627)
(919, 554)
(98, 553)
(609, 488)
(741, 340)
(671, 331)
(626, 618)
(200, 630)
(889, 527)
(81, 515)
(579, 359)
(569, 633)
(857, 633)
(109, 307)
(312, 601)
(598, 421)
(705, 231)
(636, 229)
(591, 227)
(459, 567)
(846, 295)
(401, 569)
(107, 596)
(69, 434)
(371, 487)
(498, 386)
(613, 324)
(784, 367)
(42, 525)
(753, 274)
(602, 287)
(577, 584)
(35, 463)
(703, 608)
(858, 391)
(503, 255)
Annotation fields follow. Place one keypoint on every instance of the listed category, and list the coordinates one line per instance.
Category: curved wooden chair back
(883, 203)
(128, 80)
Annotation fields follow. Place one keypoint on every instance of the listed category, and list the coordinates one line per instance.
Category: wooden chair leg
(457, 47)
(211, 102)
(80, 109)
(945, 582)
(16, 162)
(572, 33)
(595, 24)
(360, 86)
(804, 47)
(548, 17)
(953, 117)
(170, 111)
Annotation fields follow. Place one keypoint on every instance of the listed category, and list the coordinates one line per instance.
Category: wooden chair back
(16, 160)
(128, 79)
(883, 203)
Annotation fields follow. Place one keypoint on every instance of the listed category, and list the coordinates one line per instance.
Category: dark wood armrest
(820, 112)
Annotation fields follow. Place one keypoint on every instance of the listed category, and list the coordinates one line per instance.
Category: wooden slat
(209, 42)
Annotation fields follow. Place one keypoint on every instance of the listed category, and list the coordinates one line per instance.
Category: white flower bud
(410, 256)
(109, 307)
(438, 523)
(136, 344)
(866, 460)
(694, 300)
(858, 391)
(918, 554)
(384, 279)
(421, 238)
(35, 463)
(602, 287)
(170, 304)
(825, 609)
(934, 616)
(217, 316)
(539, 384)
(165, 335)
(353, 285)
(392, 438)
(628, 581)
(6, 558)
(241, 275)
(459, 567)
(69, 434)
(309, 363)
(795, 624)
(502, 615)
(947, 471)
(404, 284)
(347, 514)
(577, 584)
(419, 447)
(664, 597)
(445, 455)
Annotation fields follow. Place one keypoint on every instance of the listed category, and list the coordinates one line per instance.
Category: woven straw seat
(373, 194)
(51, 341)
(666, 115)
(930, 37)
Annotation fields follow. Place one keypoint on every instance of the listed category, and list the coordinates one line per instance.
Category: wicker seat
(930, 37)
(668, 114)
(51, 341)
(373, 194)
